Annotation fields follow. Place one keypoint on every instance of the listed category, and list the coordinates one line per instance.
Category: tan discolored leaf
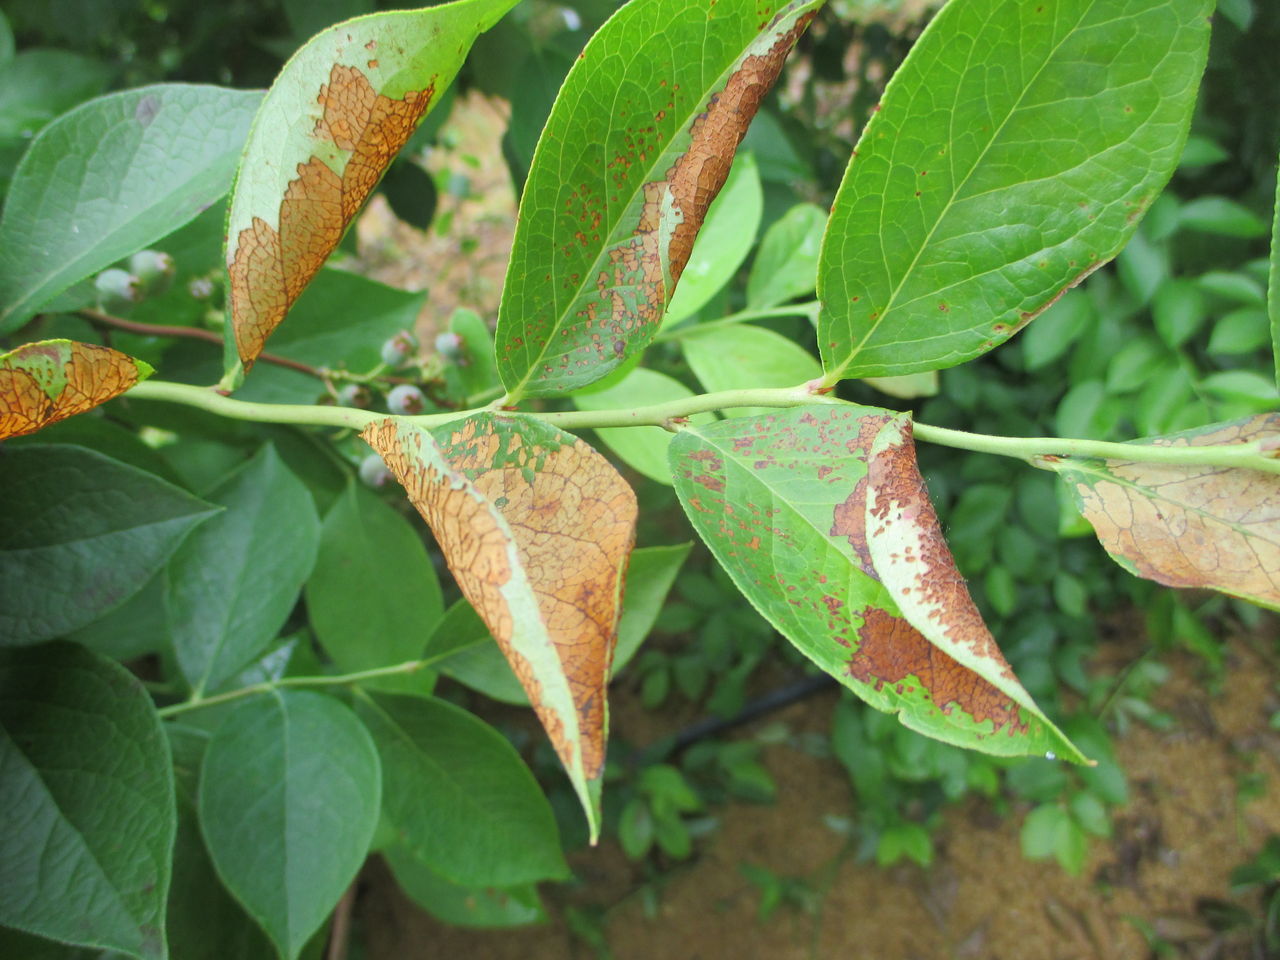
(337, 115)
(537, 528)
(1189, 526)
(41, 383)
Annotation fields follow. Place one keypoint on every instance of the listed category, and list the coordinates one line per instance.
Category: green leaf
(786, 265)
(641, 448)
(1240, 331)
(728, 233)
(637, 146)
(289, 794)
(1233, 287)
(339, 323)
(87, 799)
(1142, 267)
(1273, 284)
(536, 528)
(80, 533)
(1188, 525)
(783, 502)
(1221, 217)
(36, 86)
(743, 357)
(373, 596)
(458, 795)
(464, 906)
(478, 663)
(137, 627)
(331, 123)
(234, 582)
(476, 371)
(1043, 830)
(1179, 311)
(109, 178)
(1012, 154)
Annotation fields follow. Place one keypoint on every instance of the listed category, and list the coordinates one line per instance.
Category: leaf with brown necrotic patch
(537, 528)
(782, 500)
(331, 124)
(639, 142)
(43, 382)
(1189, 526)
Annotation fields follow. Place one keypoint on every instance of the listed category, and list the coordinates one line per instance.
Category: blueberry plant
(219, 795)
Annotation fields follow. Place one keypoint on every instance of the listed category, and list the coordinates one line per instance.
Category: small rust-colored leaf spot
(943, 307)
(41, 383)
(537, 528)
(270, 267)
(1189, 526)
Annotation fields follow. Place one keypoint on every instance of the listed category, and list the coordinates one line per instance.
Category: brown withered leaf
(41, 383)
(271, 266)
(1188, 526)
(537, 528)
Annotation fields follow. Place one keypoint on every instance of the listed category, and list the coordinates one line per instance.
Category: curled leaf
(620, 184)
(329, 127)
(782, 500)
(536, 528)
(41, 383)
(1188, 526)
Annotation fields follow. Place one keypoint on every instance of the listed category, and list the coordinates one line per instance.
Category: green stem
(410, 666)
(807, 309)
(1035, 450)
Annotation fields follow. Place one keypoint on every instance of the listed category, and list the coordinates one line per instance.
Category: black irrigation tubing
(775, 699)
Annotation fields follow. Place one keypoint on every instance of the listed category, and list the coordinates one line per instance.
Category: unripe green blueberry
(373, 472)
(201, 288)
(118, 290)
(450, 346)
(406, 400)
(399, 350)
(355, 395)
(154, 269)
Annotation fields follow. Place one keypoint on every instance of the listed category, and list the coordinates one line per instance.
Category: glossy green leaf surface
(289, 793)
(80, 533)
(458, 795)
(782, 501)
(637, 146)
(111, 177)
(373, 596)
(87, 797)
(1012, 154)
(331, 123)
(728, 233)
(536, 528)
(786, 265)
(743, 357)
(644, 449)
(463, 906)
(235, 581)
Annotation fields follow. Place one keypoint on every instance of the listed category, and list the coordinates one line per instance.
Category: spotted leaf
(41, 383)
(1013, 153)
(334, 119)
(783, 502)
(536, 528)
(638, 144)
(1189, 526)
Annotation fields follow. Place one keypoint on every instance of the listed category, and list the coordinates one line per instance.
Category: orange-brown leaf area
(890, 650)
(572, 522)
(893, 473)
(41, 383)
(1193, 526)
(271, 266)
